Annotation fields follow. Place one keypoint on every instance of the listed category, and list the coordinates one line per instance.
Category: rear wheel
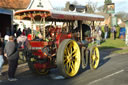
(68, 58)
(35, 67)
(94, 57)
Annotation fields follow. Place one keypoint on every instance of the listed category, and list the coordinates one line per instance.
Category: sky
(120, 5)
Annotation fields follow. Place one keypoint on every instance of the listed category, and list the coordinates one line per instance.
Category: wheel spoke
(92, 60)
(65, 61)
(96, 55)
(95, 52)
(74, 55)
(97, 58)
(67, 51)
(74, 50)
(72, 66)
(68, 67)
(70, 46)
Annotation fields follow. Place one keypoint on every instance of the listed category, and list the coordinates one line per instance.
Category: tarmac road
(113, 70)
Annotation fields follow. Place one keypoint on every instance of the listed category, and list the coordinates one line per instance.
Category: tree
(67, 6)
(122, 15)
(101, 8)
(107, 2)
(91, 7)
(75, 2)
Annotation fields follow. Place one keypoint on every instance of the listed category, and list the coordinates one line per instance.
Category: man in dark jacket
(12, 55)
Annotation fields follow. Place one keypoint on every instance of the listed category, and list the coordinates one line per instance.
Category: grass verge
(118, 44)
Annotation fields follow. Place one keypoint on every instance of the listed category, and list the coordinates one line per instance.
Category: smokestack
(77, 8)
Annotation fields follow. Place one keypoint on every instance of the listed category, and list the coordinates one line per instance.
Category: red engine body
(50, 47)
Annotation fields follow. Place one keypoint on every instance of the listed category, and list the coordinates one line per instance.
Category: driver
(38, 33)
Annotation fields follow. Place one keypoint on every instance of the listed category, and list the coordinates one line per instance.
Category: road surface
(113, 70)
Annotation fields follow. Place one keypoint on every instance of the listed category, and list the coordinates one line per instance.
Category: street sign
(114, 21)
(111, 8)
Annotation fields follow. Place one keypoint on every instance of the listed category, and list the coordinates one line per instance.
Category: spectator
(106, 29)
(21, 40)
(113, 31)
(98, 37)
(18, 33)
(24, 32)
(1, 55)
(98, 28)
(12, 54)
(28, 31)
(6, 39)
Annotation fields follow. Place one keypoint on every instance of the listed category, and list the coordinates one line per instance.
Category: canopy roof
(57, 15)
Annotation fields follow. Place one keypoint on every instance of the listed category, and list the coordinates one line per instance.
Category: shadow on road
(105, 56)
(105, 53)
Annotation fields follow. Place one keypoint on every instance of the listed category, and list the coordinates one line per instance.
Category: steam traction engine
(59, 45)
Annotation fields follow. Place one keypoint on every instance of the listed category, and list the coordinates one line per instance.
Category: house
(6, 14)
(6, 19)
(107, 17)
(40, 4)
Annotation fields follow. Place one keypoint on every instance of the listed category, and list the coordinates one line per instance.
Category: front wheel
(68, 58)
(94, 57)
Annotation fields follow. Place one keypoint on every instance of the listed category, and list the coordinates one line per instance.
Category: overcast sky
(120, 5)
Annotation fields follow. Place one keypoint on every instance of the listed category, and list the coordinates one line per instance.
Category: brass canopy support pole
(72, 25)
(44, 28)
(81, 37)
(67, 27)
(93, 23)
(32, 27)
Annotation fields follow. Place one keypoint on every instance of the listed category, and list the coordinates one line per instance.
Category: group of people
(9, 50)
(97, 32)
(112, 30)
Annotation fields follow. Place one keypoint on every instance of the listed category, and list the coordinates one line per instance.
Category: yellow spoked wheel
(68, 58)
(94, 57)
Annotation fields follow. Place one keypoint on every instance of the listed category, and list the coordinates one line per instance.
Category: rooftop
(14, 4)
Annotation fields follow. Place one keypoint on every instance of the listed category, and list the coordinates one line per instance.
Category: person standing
(6, 39)
(1, 56)
(98, 28)
(12, 54)
(113, 31)
(18, 33)
(98, 37)
(106, 29)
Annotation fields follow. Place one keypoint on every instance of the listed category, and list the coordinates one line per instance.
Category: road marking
(56, 77)
(105, 77)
